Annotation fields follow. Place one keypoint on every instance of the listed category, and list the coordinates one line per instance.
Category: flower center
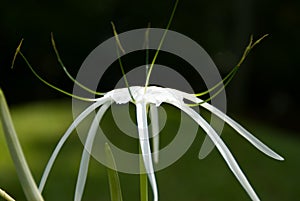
(154, 95)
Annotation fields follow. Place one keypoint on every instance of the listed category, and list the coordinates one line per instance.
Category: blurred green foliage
(41, 124)
(267, 80)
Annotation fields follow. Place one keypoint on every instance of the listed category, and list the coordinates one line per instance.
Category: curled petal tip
(280, 158)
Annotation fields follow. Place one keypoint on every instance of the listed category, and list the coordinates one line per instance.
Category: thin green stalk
(67, 72)
(18, 51)
(231, 74)
(28, 184)
(160, 44)
(228, 76)
(146, 45)
(215, 94)
(144, 187)
(119, 46)
(143, 180)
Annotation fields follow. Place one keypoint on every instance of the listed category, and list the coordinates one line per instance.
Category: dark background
(265, 88)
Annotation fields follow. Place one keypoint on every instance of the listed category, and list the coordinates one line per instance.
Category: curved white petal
(228, 157)
(85, 159)
(63, 139)
(246, 134)
(158, 95)
(155, 131)
(145, 145)
(242, 131)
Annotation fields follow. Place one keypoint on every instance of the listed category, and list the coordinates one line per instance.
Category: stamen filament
(18, 51)
(119, 46)
(159, 46)
(68, 74)
(231, 74)
(146, 45)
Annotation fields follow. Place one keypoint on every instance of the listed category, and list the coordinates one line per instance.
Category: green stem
(28, 184)
(143, 180)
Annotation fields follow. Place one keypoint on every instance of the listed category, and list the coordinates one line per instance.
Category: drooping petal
(242, 131)
(85, 159)
(63, 139)
(246, 134)
(155, 131)
(141, 114)
(225, 152)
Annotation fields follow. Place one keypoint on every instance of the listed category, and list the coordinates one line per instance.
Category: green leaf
(113, 177)
(28, 184)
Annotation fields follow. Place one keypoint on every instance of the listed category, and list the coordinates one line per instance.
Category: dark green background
(265, 88)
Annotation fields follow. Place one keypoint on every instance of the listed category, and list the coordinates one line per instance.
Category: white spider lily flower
(155, 96)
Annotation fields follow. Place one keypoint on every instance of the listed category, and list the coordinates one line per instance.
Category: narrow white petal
(145, 145)
(155, 131)
(243, 132)
(228, 157)
(61, 142)
(85, 159)
(81, 179)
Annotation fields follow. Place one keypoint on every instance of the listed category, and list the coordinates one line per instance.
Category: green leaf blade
(113, 177)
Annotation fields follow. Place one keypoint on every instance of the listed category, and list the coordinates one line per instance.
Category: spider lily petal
(85, 159)
(246, 134)
(121, 96)
(225, 152)
(155, 131)
(242, 131)
(58, 147)
(145, 145)
(155, 96)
